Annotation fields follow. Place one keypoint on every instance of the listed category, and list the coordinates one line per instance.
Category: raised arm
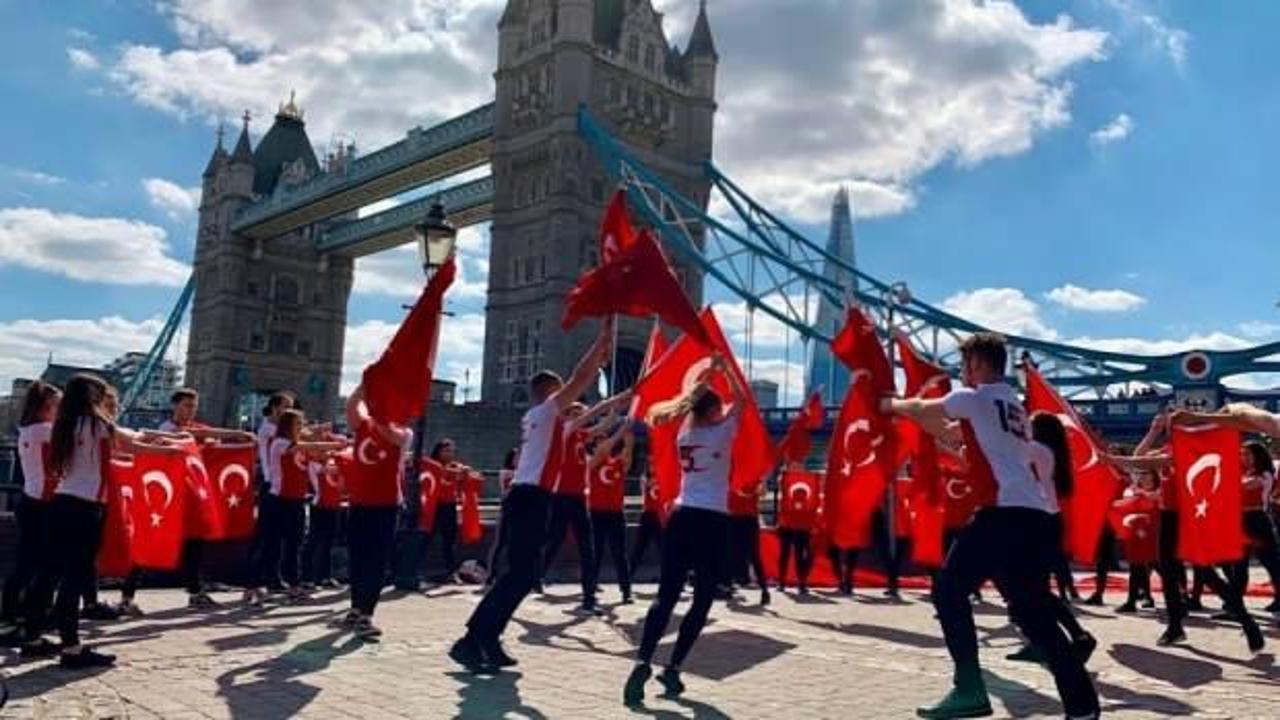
(1159, 426)
(609, 406)
(585, 373)
(930, 414)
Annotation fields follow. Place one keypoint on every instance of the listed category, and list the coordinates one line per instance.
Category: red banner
(230, 472)
(798, 499)
(1136, 522)
(1206, 462)
(159, 509)
(471, 532)
(430, 476)
(115, 556)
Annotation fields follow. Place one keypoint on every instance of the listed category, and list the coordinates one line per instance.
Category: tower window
(633, 49)
(650, 55)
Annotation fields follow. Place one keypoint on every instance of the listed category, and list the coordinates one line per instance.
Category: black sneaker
(628, 600)
(671, 684)
(497, 656)
(764, 597)
(38, 648)
(1094, 599)
(633, 692)
(1224, 615)
(99, 611)
(1172, 636)
(804, 589)
(366, 630)
(467, 653)
(201, 601)
(86, 658)
(1083, 647)
(1193, 604)
(1253, 634)
(1148, 604)
(1127, 608)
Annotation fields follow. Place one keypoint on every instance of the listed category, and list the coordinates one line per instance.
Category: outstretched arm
(609, 406)
(1159, 426)
(222, 435)
(929, 414)
(585, 373)
(1155, 461)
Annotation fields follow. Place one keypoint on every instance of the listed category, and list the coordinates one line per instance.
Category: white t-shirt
(275, 456)
(706, 452)
(168, 426)
(266, 433)
(1044, 464)
(538, 429)
(32, 440)
(83, 478)
(1000, 424)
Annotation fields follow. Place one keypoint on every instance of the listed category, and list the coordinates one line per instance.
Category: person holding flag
(1013, 539)
(798, 504)
(328, 491)
(698, 532)
(525, 508)
(606, 495)
(1258, 481)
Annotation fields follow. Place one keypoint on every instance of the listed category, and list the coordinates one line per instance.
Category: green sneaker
(959, 704)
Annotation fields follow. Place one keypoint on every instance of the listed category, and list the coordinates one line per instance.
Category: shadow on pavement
(1020, 700)
(278, 678)
(43, 678)
(1182, 672)
(1126, 699)
(896, 636)
(492, 696)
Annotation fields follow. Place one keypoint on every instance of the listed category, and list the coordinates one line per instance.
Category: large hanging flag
(859, 348)
(397, 386)
(1206, 464)
(1095, 483)
(798, 441)
(860, 465)
(1136, 522)
(431, 475)
(924, 381)
(617, 234)
(159, 509)
(230, 472)
(637, 282)
(115, 556)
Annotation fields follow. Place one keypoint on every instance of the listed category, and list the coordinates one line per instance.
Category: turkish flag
(960, 498)
(430, 477)
(798, 499)
(397, 386)
(1095, 483)
(798, 442)
(617, 234)
(924, 381)
(928, 522)
(1136, 522)
(1206, 464)
(159, 509)
(471, 532)
(859, 348)
(654, 351)
(860, 465)
(115, 556)
(229, 469)
(205, 517)
(637, 282)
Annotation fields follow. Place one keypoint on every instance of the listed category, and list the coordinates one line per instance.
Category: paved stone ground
(815, 657)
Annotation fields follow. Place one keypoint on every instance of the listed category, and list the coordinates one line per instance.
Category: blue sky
(1091, 170)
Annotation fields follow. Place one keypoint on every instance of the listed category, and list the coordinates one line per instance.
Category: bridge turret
(700, 57)
(510, 30)
(238, 181)
(217, 161)
(575, 21)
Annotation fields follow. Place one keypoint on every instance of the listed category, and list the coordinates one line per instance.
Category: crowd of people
(568, 475)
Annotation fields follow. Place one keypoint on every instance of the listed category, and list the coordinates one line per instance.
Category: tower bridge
(589, 95)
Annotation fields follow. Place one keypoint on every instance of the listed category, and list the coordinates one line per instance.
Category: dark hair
(183, 394)
(705, 404)
(1049, 431)
(84, 393)
(988, 347)
(277, 399)
(34, 401)
(288, 420)
(439, 448)
(1259, 458)
(509, 460)
(541, 379)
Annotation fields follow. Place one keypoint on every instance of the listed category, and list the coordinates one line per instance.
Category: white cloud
(82, 59)
(1005, 310)
(1165, 346)
(1258, 329)
(1169, 40)
(177, 202)
(34, 177)
(28, 344)
(1075, 297)
(1120, 127)
(462, 351)
(397, 273)
(107, 250)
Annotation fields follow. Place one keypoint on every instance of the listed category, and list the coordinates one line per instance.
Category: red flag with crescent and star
(1136, 522)
(1095, 483)
(798, 441)
(159, 509)
(230, 472)
(798, 499)
(115, 555)
(860, 465)
(1206, 468)
(470, 531)
(858, 347)
(205, 516)
(617, 234)
(430, 477)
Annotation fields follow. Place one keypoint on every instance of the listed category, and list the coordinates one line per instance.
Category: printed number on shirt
(1013, 419)
(689, 460)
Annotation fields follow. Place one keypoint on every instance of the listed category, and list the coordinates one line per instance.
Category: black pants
(446, 527)
(501, 537)
(1173, 576)
(191, 571)
(844, 561)
(649, 532)
(370, 533)
(799, 540)
(568, 511)
(696, 540)
(525, 512)
(610, 529)
(75, 531)
(1262, 534)
(286, 523)
(31, 561)
(1139, 582)
(1105, 561)
(317, 552)
(1061, 564)
(1015, 547)
(745, 535)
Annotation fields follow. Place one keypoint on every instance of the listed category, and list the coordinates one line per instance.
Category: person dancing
(500, 535)
(698, 532)
(606, 496)
(650, 530)
(525, 508)
(798, 498)
(1261, 533)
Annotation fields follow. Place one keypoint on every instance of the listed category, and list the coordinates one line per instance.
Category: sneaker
(86, 658)
(497, 655)
(959, 704)
(330, 584)
(633, 692)
(348, 620)
(1225, 615)
(296, 595)
(1094, 599)
(1253, 635)
(1084, 646)
(255, 597)
(671, 684)
(893, 594)
(1149, 603)
(1127, 608)
(201, 601)
(129, 608)
(99, 611)
(1274, 607)
(366, 630)
(1172, 636)
(1193, 604)
(38, 648)
(308, 587)
(589, 607)
(467, 653)
(627, 599)
(1028, 653)
(764, 598)
(804, 589)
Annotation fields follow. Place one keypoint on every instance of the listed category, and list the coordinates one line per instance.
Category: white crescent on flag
(234, 470)
(1071, 425)
(955, 494)
(362, 453)
(159, 478)
(608, 474)
(799, 495)
(1209, 461)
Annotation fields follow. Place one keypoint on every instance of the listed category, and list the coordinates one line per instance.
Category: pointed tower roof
(700, 40)
(513, 13)
(285, 142)
(243, 152)
(219, 156)
(824, 371)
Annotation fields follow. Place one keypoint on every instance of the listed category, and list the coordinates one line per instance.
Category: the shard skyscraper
(825, 371)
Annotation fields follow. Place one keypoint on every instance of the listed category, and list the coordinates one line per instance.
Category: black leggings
(745, 534)
(285, 522)
(75, 531)
(1061, 564)
(317, 552)
(799, 539)
(1105, 561)
(570, 511)
(610, 529)
(525, 513)
(844, 562)
(1173, 576)
(1139, 582)
(446, 527)
(1262, 534)
(650, 531)
(32, 561)
(1014, 546)
(696, 540)
(370, 533)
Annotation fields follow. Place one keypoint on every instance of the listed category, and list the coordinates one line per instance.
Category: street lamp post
(436, 241)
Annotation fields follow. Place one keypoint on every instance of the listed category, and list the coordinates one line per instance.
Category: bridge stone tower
(267, 314)
(550, 190)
